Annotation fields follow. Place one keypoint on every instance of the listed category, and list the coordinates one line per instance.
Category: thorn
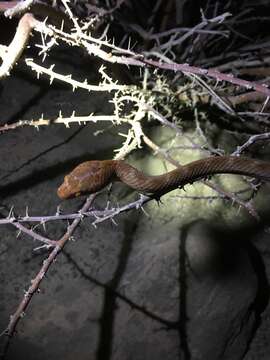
(114, 222)
(11, 214)
(40, 249)
(43, 223)
(144, 211)
(58, 210)
(157, 197)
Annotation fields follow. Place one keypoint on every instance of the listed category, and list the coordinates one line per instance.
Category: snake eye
(78, 194)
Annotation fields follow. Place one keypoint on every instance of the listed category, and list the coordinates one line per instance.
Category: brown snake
(92, 176)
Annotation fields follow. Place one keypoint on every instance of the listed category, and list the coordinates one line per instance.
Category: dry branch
(36, 282)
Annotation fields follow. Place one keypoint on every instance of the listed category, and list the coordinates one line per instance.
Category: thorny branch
(28, 23)
(179, 67)
(36, 282)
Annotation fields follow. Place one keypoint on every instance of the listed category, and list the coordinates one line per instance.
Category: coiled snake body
(92, 176)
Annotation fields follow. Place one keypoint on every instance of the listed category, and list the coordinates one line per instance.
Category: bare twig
(250, 141)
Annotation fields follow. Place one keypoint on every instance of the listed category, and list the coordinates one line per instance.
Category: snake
(92, 176)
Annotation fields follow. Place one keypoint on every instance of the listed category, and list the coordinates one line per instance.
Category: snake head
(87, 178)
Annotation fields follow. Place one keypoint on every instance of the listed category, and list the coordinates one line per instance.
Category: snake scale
(92, 176)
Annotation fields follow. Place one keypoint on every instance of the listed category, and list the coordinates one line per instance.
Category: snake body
(92, 176)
